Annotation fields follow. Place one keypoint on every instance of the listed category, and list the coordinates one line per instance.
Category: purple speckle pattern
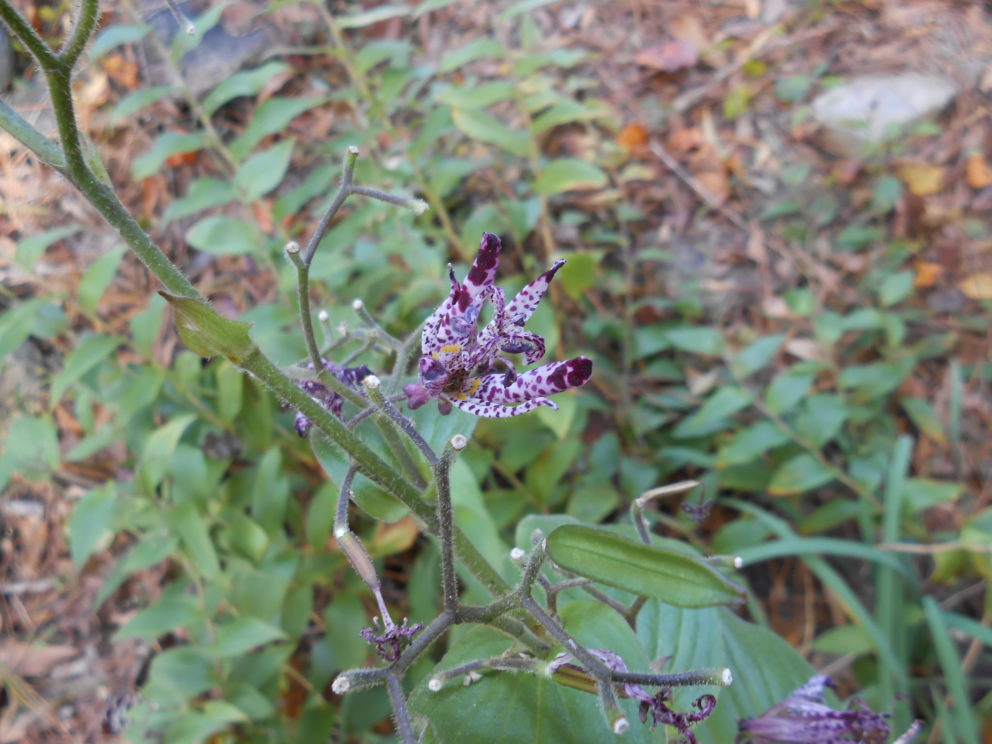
(326, 397)
(460, 365)
(805, 718)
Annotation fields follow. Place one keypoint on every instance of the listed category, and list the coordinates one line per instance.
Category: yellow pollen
(451, 349)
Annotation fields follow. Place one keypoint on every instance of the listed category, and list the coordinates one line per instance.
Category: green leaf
(756, 355)
(137, 100)
(569, 174)
(208, 333)
(244, 83)
(31, 248)
(153, 548)
(765, 668)
(192, 530)
(91, 351)
(376, 52)
(114, 36)
(645, 570)
(458, 58)
(98, 277)
(272, 115)
(202, 194)
(886, 194)
(802, 473)
(481, 126)
(820, 418)
(375, 15)
(230, 390)
(166, 145)
(750, 443)
(543, 711)
(92, 521)
(30, 448)
(712, 414)
(242, 635)
(871, 381)
(924, 418)
(786, 390)
(895, 288)
(172, 611)
(697, 339)
(559, 421)
(263, 171)
(476, 96)
(156, 454)
(567, 112)
(922, 493)
(580, 274)
(179, 674)
(224, 236)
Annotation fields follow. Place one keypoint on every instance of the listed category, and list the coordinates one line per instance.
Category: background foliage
(773, 335)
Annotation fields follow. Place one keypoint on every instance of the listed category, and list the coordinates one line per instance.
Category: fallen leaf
(685, 140)
(668, 56)
(715, 183)
(122, 71)
(977, 172)
(922, 180)
(806, 348)
(632, 136)
(977, 286)
(29, 660)
(927, 273)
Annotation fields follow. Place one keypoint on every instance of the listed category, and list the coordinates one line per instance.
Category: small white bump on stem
(357, 305)
(435, 684)
(292, 247)
(459, 442)
(341, 685)
(372, 382)
(323, 317)
(621, 725)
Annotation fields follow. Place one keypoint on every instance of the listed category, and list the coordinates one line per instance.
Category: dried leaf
(668, 56)
(977, 171)
(632, 136)
(922, 180)
(977, 286)
(927, 273)
(28, 660)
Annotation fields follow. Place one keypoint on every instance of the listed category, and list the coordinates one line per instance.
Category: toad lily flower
(459, 363)
(805, 718)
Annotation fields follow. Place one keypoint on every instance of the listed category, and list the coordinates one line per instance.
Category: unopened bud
(357, 305)
(621, 725)
(352, 150)
(292, 247)
(371, 382)
(341, 685)
(435, 684)
(727, 678)
(458, 442)
(323, 317)
(517, 555)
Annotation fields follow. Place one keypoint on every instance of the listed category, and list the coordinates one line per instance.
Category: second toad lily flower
(459, 363)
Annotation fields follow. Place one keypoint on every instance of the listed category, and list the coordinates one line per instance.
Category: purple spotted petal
(545, 380)
(498, 410)
(530, 344)
(526, 301)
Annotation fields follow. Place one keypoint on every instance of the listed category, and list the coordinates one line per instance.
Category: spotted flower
(324, 395)
(804, 718)
(654, 707)
(466, 367)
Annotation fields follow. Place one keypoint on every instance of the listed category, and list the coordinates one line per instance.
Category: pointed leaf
(207, 332)
(645, 570)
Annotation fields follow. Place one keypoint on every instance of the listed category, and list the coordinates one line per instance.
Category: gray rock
(218, 55)
(866, 111)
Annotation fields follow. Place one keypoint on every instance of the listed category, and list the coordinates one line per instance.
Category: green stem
(28, 37)
(31, 138)
(87, 13)
(370, 464)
